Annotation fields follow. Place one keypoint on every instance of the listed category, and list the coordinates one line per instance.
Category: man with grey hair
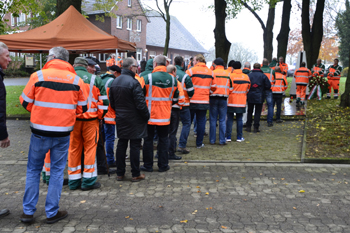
(4, 139)
(52, 120)
(161, 92)
(131, 115)
(246, 69)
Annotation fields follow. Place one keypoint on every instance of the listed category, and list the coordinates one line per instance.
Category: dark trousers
(162, 147)
(277, 99)
(174, 125)
(100, 151)
(257, 114)
(134, 156)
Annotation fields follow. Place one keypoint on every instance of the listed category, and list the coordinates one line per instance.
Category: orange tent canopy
(70, 30)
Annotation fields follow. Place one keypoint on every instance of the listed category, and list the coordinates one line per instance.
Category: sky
(196, 16)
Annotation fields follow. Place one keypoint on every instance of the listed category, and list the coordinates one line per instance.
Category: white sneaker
(228, 140)
(240, 140)
(198, 147)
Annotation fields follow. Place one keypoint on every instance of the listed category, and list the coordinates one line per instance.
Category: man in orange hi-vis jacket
(53, 95)
(302, 76)
(278, 88)
(333, 75)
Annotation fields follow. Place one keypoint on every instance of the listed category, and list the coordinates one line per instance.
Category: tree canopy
(343, 26)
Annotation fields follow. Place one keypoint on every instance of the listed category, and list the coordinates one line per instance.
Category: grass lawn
(13, 106)
(328, 135)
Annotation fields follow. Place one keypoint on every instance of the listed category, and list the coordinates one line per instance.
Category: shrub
(345, 72)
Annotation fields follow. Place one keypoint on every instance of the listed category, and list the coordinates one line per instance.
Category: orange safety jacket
(141, 80)
(302, 76)
(223, 83)
(110, 62)
(241, 85)
(336, 71)
(203, 81)
(160, 92)
(108, 78)
(284, 67)
(270, 73)
(280, 84)
(230, 69)
(119, 63)
(181, 98)
(54, 95)
(318, 70)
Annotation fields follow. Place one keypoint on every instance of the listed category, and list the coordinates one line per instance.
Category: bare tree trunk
(345, 97)
(312, 37)
(167, 36)
(222, 45)
(283, 36)
(268, 33)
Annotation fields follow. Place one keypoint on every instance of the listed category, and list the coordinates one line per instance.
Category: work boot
(248, 129)
(95, 186)
(26, 218)
(4, 212)
(256, 130)
(59, 216)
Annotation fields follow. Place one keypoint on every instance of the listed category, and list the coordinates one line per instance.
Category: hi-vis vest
(317, 70)
(280, 84)
(160, 90)
(302, 76)
(335, 71)
(54, 95)
(181, 98)
(110, 115)
(203, 80)
(241, 85)
(223, 82)
(283, 67)
(141, 80)
(110, 62)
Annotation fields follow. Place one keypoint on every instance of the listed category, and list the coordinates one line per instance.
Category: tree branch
(160, 11)
(256, 15)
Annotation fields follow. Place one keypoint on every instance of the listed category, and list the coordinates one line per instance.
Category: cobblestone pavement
(207, 197)
(280, 143)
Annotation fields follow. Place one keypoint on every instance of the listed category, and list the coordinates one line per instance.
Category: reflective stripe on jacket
(270, 74)
(223, 82)
(181, 98)
(318, 70)
(97, 100)
(302, 76)
(203, 81)
(241, 85)
(160, 92)
(186, 84)
(280, 84)
(107, 80)
(54, 95)
(336, 71)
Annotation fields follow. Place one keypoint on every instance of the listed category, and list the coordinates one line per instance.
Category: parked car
(291, 70)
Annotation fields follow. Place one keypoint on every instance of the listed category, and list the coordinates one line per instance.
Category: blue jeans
(39, 146)
(200, 116)
(185, 116)
(218, 107)
(229, 123)
(269, 102)
(109, 139)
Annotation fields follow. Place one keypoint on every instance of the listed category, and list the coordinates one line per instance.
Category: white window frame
(119, 22)
(139, 25)
(129, 3)
(139, 54)
(129, 24)
(102, 57)
(12, 20)
(21, 18)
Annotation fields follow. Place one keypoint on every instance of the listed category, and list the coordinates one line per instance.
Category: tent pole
(41, 61)
(116, 53)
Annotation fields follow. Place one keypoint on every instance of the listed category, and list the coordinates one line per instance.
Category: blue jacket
(258, 84)
(3, 129)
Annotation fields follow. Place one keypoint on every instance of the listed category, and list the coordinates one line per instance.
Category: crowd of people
(75, 114)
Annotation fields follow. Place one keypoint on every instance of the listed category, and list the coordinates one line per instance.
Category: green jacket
(267, 70)
(246, 71)
(148, 68)
(320, 66)
(107, 80)
(273, 63)
(86, 77)
(185, 79)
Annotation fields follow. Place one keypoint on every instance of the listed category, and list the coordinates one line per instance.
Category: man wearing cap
(218, 101)
(109, 119)
(86, 131)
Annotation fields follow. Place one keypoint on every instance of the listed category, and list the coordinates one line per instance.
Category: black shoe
(328, 97)
(59, 216)
(26, 218)
(112, 164)
(279, 121)
(269, 124)
(248, 129)
(104, 172)
(336, 97)
(95, 186)
(175, 157)
(183, 150)
(164, 169)
(4, 212)
(142, 168)
(65, 181)
(206, 134)
(256, 130)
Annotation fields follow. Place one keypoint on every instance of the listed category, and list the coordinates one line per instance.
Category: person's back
(148, 68)
(258, 84)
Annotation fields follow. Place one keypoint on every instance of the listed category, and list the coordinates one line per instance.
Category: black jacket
(3, 129)
(258, 84)
(127, 99)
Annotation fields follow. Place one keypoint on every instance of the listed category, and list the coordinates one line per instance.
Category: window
(152, 54)
(12, 20)
(102, 57)
(139, 25)
(138, 54)
(119, 21)
(129, 24)
(129, 3)
(21, 18)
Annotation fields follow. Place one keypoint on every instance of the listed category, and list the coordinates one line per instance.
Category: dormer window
(129, 3)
